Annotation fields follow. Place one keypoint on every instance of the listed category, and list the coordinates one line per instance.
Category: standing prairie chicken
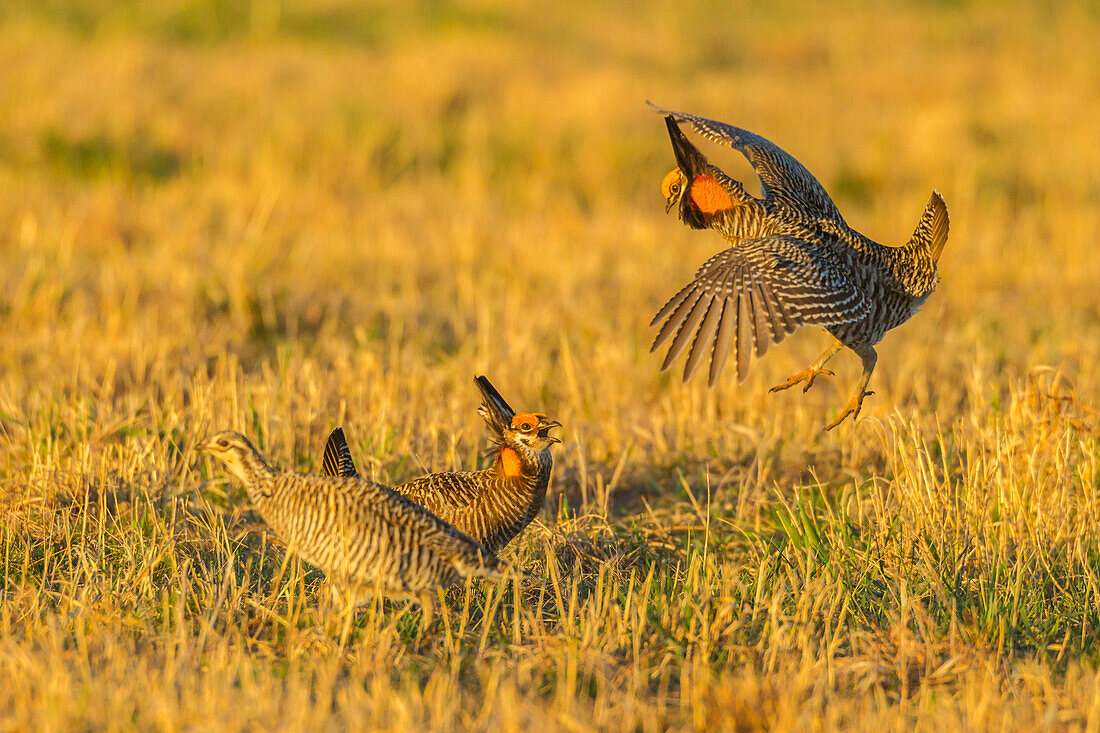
(361, 534)
(492, 505)
(793, 262)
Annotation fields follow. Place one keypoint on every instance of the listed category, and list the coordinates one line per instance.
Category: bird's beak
(544, 429)
(675, 177)
(204, 447)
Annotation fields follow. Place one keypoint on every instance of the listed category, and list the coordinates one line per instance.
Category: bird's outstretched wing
(785, 181)
(337, 460)
(755, 294)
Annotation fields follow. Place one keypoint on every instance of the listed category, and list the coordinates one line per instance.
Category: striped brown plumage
(337, 460)
(361, 534)
(794, 261)
(492, 505)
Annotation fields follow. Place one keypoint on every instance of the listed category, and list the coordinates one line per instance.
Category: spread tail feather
(337, 460)
(931, 232)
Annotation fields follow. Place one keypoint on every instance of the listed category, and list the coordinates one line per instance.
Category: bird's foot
(807, 375)
(338, 596)
(427, 604)
(852, 408)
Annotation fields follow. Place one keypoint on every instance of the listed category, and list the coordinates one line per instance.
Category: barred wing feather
(750, 296)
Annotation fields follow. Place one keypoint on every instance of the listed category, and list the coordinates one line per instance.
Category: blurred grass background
(279, 216)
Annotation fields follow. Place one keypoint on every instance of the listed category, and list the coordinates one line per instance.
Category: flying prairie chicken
(794, 261)
(361, 534)
(492, 505)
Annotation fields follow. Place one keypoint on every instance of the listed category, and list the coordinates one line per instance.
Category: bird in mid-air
(793, 261)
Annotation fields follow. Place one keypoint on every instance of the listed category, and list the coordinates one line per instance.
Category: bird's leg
(869, 357)
(426, 614)
(340, 596)
(346, 603)
(810, 373)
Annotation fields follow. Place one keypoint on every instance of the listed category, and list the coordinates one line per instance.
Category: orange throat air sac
(509, 462)
(708, 196)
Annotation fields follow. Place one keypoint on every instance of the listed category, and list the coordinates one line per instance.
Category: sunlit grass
(280, 217)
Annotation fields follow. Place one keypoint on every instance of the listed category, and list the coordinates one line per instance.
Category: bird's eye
(525, 426)
(675, 189)
(223, 443)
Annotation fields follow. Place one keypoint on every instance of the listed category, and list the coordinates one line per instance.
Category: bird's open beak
(544, 430)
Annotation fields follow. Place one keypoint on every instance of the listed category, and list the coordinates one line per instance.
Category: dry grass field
(279, 217)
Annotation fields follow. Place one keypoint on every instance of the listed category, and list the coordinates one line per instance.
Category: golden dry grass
(279, 219)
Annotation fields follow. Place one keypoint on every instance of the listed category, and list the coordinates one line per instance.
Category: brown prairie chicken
(492, 505)
(793, 262)
(361, 534)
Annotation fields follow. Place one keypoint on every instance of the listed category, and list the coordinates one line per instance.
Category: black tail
(337, 459)
(497, 413)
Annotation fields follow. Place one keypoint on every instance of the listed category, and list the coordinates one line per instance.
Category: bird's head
(693, 186)
(672, 188)
(235, 451)
(530, 432)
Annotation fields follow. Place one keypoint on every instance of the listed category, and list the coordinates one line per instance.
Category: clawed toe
(791, 381)
(814, 375)
(852, 408)
(807, 375)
